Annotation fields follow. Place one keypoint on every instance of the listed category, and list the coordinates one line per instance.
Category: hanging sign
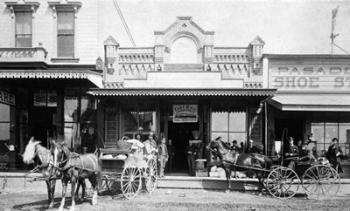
(7, 98)
(185, 113)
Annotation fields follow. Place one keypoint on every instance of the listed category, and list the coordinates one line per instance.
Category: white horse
(43, 159)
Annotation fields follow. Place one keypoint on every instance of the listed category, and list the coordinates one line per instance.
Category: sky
(287, 27)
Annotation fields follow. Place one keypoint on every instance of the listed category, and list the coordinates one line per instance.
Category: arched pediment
(183, 27)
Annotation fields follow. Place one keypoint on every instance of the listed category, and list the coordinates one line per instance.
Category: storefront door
(41, 123)
(180, 134)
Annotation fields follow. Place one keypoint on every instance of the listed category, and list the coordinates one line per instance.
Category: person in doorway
(334, 155)
(252, 148)
(191, 158)
(163, 156)
(171, 153)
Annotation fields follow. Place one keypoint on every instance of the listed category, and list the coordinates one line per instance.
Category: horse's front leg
(48, 191)
(64, 190)
(228, 179)
(52, 184)
(73, 181)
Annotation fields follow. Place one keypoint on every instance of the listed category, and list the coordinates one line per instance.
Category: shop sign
(314, 77)
(185, 113)
(7, 98)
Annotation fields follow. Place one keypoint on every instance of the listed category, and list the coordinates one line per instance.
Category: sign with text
(310, 77)
(185, 113)
(7, 98)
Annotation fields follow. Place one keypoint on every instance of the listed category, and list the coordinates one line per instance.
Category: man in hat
(251, 147)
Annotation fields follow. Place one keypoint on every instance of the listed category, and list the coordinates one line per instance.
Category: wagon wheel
(151, 175)
(281, 182)
(321, 180)
(130, 182)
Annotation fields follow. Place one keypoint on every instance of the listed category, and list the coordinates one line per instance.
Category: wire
(124, 22)
(347, 52)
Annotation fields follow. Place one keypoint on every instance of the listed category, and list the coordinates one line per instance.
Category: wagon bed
(129, 170)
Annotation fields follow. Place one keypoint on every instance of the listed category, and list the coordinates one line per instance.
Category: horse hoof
(94, 201)
(71, 209)
(60, 209)
(228, 191)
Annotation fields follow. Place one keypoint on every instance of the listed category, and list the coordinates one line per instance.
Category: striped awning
(181, 92)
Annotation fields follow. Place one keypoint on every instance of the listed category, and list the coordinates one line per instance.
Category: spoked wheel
(321, 180)
(151, 175)
(131, 182)
(282, 182)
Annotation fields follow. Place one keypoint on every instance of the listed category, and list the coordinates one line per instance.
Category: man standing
(163, 156)
(334, 155)
(171, 153)
(191, 158)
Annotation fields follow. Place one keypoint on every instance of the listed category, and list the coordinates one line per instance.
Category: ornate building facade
(180, 86)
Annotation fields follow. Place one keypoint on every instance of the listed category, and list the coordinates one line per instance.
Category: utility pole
(333, 36)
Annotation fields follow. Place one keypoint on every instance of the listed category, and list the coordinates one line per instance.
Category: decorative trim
(181, 92)
(47, 75)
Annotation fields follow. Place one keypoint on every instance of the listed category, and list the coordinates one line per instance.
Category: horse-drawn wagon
(281, 181)
(130, 168)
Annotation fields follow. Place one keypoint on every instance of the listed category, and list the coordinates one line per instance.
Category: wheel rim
(151, 175)
(321, 180)
(130, 182)
(281, 182)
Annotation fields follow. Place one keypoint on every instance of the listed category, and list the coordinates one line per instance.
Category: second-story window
(65, 34)
(23, 29)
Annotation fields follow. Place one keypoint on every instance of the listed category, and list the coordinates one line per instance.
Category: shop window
(45, 98)
(229, 125)
(23, 29)
(65, 34)
(4, 122)
(139, 122)
(324, 132)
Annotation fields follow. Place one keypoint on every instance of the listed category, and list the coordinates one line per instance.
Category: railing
(23, 54)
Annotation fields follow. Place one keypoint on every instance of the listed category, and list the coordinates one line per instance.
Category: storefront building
(180, 86)
(45, 73)
(313, 96)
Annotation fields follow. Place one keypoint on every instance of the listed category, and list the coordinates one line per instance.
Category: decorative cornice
(17, 6)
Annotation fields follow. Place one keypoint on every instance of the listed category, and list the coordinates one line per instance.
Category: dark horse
(43, 159)
(230, 160)
(76, 168)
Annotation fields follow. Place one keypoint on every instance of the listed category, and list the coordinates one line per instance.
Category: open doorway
(41, 123)
(180, 134)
